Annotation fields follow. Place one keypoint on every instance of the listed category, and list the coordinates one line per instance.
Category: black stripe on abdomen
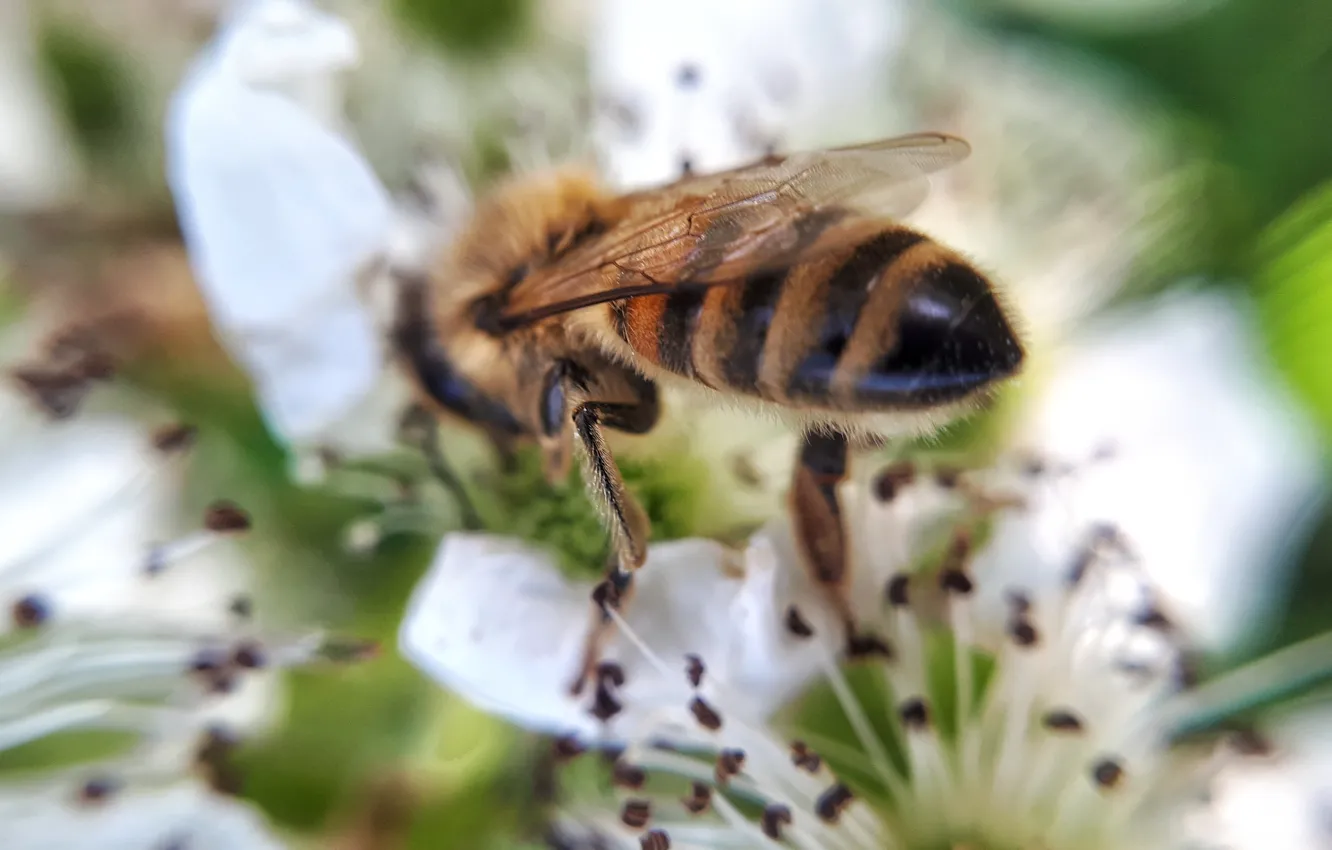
(848, 289)
(679, 320)
(752, 320)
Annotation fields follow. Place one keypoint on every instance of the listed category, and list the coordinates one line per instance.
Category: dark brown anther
(796, 623)
(1107, 773)
(805, 758)
(607, 597)
(58, 394)
(1152, 617)
(655, 839)
(171, 439)
(833, 802)
(729, 764)
(898, 591)
(915, 714)
(705, 714)
(957, 582)
(1023, 633)
(694, 670)
(97, 790)
(567, 749)
(249, 656)
(630, 776)
(775, 816)
(1247, 741)
(699, 799)
(605, 704)
(891, 480)
(241, 607)
(30, 612)
(867, 645)
(947, 477)
(1062, 720)
(636, 814)
(226, 517)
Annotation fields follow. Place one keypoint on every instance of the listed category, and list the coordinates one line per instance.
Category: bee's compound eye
(952, 338)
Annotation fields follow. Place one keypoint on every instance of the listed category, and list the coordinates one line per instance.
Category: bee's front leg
(816, 514)
(567, 390)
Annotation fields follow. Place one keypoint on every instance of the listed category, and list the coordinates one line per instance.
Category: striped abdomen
(896, 321)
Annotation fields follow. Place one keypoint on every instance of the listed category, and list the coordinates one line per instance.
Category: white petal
(1215, 472)
(280, 214)
(762, 69)
(495, 621)
(186, 815)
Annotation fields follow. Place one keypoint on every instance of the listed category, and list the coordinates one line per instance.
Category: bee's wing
(721, 227)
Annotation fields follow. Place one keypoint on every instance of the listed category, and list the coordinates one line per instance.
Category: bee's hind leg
(816, 513)
(629, 525)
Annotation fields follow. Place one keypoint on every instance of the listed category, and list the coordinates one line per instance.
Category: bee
(788, 285)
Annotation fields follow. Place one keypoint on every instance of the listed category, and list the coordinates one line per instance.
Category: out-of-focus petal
(282, 216)
(496, 622)
(716, 83)
(186, 815)
(1206, 463)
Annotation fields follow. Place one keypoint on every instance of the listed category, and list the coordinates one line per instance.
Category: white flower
(116, 623)
(283, 218)
(1211, 468)
(1063, 728)
(676, 95)
(496, 622)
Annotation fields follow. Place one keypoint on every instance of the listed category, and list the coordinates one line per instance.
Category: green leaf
(1294, 285)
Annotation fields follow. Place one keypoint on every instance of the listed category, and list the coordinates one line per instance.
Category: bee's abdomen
(894, 322)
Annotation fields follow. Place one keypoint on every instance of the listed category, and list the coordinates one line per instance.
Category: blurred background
(1121, 150)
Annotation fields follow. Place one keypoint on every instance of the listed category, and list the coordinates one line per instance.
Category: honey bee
(787, 284)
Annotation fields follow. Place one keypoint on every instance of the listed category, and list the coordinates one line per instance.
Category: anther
(686, 166)
(30, 612)
(625, 775)
(867, 645)
(891, 480)
(97, 790)
(172, 439)
(605, 704)
(729, 764)
(898, 591)
(1062, 720)
(694, 670)
(915, 714)
(636, 814)
(1020, 602)
(699, 799)
(775, 816)
(241, 607)
(805, 758)
(947, 476)
(956, 581)
(1107, 773)
(705, 714)
(1023, 633)
(1152, 617)
(833, 802)
(655, 839)
(249, 656)
(567, 748)
(796, 623)
(226, 517)
(57, 393)
(607, 596)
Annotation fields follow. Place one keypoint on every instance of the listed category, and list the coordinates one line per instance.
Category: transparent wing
(721, 227)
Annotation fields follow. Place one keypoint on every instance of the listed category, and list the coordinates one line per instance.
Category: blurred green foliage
(466, 28)
(93, 86)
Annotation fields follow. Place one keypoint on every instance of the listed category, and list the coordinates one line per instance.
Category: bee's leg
(817, 516)
(628, 523)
